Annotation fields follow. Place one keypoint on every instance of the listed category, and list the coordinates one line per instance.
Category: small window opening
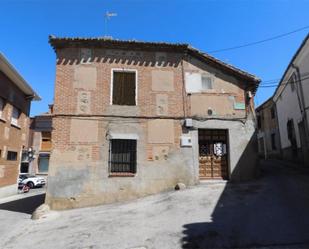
(207, 82)
(11, 156)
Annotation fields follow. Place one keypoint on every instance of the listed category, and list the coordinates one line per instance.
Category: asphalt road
(270, 212)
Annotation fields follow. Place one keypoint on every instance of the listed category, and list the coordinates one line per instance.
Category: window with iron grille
(122, 156)
(11, 156)
(124, 88)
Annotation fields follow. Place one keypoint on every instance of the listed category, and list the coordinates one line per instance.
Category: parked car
(31, 181)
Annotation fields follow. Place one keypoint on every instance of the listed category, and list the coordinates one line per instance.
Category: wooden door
(213, 154)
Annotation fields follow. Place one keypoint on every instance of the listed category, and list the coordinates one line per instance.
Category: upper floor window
(124, 88)
(198, 82)
(15, 116)
(46, 141)
(1, 107)
(292, 82)
(207, 82)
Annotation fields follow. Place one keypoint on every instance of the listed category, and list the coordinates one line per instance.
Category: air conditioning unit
(185, 141)
(188, 122)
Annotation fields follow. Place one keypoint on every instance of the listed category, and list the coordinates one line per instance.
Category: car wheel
(30, 184)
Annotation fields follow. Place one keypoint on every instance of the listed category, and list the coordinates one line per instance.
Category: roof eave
(181, 47)
(16, 78)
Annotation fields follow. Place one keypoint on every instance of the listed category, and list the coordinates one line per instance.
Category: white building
(292, 103)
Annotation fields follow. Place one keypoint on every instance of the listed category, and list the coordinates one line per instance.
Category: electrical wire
(284, 83)
(260, 41)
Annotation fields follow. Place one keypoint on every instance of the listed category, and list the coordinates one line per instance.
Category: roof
(291, 62)
(57, 43)
(16, 78)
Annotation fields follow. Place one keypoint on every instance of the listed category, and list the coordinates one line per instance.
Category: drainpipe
(302, 102)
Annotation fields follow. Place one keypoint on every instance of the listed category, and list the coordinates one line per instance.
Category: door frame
(227, 151)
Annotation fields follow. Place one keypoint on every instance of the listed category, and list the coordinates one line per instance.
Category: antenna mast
(107, 17)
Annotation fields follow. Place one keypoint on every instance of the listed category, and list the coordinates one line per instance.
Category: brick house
(135, 118)
(15, 100)
(40, 142)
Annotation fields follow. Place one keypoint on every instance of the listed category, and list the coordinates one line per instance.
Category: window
(272, 113)
(43, 162)
(1, 107)
(292, 82)
(206, 82)
(123, 156)
(124, 88)
(259, 122)
(15, 116)
(46, 141)
(24, 167)
(273, 141)
(11, 156)
(290, 129)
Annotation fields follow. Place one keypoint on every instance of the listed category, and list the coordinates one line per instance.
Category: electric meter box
(188, 122)
(185, 141)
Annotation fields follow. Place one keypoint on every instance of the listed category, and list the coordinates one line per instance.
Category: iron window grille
(11, 156)
(122, 157)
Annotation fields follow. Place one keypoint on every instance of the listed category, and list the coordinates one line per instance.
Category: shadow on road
(26, 205)
(270, 211)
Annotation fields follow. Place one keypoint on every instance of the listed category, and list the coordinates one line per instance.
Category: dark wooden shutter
(124, 88)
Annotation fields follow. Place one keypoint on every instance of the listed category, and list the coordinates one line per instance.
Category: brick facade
(12, 138)
(84, 121)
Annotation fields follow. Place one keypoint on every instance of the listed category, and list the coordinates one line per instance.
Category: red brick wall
(17, 137)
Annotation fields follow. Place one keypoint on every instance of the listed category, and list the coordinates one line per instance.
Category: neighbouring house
(268, 133)
(40, 144)
(15, 100)
(292, 103)
(134, 118)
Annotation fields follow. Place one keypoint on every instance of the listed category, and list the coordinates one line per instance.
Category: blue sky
(207, 25)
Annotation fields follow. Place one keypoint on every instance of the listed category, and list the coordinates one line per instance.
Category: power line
(285, 82)
(261, 41)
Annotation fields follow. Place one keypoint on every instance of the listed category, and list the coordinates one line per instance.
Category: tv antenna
(107, 17)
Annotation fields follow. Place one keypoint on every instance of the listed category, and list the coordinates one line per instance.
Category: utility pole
(107, 17)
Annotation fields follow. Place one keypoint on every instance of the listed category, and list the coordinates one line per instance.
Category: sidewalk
(32, 192)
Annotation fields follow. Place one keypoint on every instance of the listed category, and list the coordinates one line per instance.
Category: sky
(205, 24)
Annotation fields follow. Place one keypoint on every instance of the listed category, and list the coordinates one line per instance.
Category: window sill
(2, 120)
(16, 126)
(121, 175)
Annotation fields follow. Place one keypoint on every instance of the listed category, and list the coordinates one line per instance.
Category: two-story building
(40, 143)
(268, 131)
(135, 118)
(15, 100)
(292, 104)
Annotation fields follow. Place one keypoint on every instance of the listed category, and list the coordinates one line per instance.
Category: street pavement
(269, 212)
